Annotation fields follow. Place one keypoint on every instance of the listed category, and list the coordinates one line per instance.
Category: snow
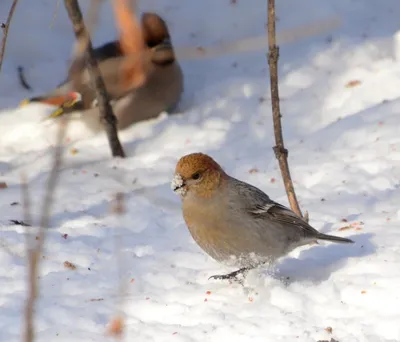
(344, 154)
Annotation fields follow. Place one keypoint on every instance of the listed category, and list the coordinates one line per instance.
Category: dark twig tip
(22, 79)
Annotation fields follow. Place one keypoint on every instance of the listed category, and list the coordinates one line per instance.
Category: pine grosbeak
(235, 222)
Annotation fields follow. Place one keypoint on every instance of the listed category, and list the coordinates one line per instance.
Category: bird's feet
(236, 276)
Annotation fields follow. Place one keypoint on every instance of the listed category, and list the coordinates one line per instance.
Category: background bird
(140, 87)
(235, 222)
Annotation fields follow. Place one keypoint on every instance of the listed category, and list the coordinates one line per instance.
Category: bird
(159, 89)
(235, 222)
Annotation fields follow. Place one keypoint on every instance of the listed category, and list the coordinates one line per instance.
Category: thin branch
(22, 79)
(35, 246)
(91, 22)
(135, 59)
(26, 208)
(251, 44)
(281, 153)
(5, 27)
(245, 45)
(55, 14)
(103, 99)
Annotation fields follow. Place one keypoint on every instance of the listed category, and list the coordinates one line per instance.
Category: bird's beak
(178, 184)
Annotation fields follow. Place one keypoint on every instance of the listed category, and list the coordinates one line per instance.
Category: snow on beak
(178, 184)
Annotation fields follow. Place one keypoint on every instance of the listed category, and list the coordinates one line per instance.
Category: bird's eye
(196, 176)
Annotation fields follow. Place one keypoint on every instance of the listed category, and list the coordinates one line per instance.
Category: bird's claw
(236, 276)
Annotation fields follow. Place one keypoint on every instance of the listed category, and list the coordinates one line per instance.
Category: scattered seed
(116, 327)
(353, 83)
(69, 265)
(96, 299)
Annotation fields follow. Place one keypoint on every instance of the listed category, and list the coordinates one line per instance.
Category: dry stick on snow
(22, 79)
(35, 244)
(281, 153)
(103, 99)
(5, 27)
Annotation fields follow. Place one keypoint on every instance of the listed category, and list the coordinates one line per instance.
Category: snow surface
(344, 153)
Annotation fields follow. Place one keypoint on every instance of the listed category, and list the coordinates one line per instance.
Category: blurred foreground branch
(103, 99)
(281, 153)
(116, 325)
(35, 243)
(5, 27)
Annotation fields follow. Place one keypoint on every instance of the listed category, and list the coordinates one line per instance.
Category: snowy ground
(344, 144)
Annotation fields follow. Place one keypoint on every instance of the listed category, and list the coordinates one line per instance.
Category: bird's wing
(259, 206)
(278, 213)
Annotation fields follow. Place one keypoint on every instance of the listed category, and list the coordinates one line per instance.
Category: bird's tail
(333, 238)
(66, 103)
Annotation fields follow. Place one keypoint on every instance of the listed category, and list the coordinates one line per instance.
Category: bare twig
(250, 44)
(281, 153)
(103, 99)
(5, 27)
(197, 53)
(22, 79)
(92, 16)
(29, 334)
(53, 20)
(53, 177)
(91, 21)
(20, 223)
(134, 58)
(35, 246)
(244, 45)
(26, 208)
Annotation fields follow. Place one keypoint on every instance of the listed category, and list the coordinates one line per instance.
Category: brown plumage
(199, 163)
(234, 222)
